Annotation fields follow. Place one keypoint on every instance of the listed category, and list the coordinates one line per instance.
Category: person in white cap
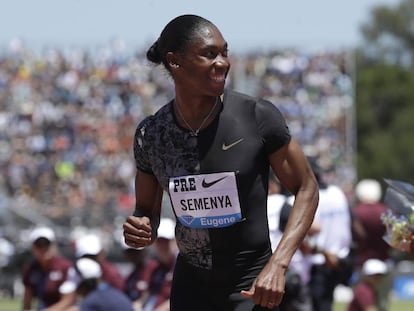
(138, 259)
(43, 276)
(90, 246)
(87, 246)
(156, 280)
(369, 231)
(93, 292)
(365, 297)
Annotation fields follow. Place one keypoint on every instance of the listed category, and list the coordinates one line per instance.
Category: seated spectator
(88, 246)
(365, 297)
(332, 244)
(138, 258)
(369, 231)
(43, 276)
(94, 293)
(156, 280)
(367, 225)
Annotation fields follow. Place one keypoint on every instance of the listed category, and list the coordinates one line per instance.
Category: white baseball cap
(86, 268)
(42, 232)
(89, 244)
(166, 228)
(374, 266)
(368, 191)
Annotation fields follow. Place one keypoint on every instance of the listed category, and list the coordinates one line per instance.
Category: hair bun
(153, 53)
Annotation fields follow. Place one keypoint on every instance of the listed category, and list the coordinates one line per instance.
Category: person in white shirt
(297, 295)
(333, 242)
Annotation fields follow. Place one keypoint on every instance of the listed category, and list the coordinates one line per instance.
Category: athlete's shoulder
(236, 97)
(152, 120)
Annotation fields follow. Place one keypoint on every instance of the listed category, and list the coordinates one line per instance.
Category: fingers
(247, 294)
(137, 232)
(264, 297)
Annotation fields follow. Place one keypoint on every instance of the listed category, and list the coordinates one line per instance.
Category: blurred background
(74, 83)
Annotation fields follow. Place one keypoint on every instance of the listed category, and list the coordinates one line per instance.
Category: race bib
(206, 201)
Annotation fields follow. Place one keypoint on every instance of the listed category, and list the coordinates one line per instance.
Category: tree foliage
(389, 34)
(385, 95)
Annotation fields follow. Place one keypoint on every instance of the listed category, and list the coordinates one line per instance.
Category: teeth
(218, 79)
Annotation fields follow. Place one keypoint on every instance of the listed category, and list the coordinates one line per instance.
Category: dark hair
(176, 36)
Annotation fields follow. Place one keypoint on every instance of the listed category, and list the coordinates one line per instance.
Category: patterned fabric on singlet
(239, 140)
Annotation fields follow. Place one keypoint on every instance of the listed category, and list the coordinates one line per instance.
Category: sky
(246, 25)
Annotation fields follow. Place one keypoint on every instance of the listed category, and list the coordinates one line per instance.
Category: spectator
(156, 280)
(368, 227)
(365, 296)
(297, 294)
(96, 294)
(275, 200)
(43, 276)
(88, 246)
(332, 244)
(369, 231)
(138, 258)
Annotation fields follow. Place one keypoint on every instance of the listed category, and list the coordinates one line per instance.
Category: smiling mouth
(219, 80)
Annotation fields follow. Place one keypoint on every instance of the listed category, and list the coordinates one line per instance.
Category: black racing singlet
(239, 140)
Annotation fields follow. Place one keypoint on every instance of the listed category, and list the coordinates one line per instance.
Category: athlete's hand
(137, 231)
(269, 287)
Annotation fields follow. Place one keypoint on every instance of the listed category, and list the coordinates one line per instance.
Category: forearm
(65, 302)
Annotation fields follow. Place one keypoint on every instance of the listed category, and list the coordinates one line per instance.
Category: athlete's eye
(211, 54)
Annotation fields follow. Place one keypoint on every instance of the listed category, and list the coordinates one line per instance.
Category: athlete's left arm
(293, 170)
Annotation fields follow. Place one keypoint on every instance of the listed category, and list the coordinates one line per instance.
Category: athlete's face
(204, 65)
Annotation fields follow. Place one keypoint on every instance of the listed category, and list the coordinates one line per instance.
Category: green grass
(396, 305)
(10, 305)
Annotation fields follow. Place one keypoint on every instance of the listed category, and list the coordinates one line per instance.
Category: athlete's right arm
(140, 230)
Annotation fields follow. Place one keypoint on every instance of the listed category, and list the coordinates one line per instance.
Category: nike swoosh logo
(206, 184)
(227, 147)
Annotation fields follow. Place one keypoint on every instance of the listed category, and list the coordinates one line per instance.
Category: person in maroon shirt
(368, 227)
(156, 279)
(369, 231)
(88, 246)
(364, 293)
(43, 276)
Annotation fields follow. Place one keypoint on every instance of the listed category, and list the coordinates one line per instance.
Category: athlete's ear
(172, 60)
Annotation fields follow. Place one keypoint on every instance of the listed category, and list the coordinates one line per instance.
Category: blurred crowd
(68, 117)
(67, 121)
